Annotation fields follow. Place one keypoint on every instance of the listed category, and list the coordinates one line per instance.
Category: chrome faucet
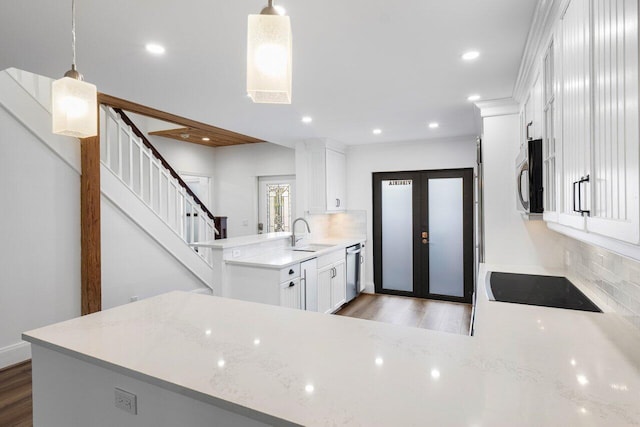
(293, 231)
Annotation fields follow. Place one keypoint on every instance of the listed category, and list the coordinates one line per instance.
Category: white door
(276, 204)
(339, 285)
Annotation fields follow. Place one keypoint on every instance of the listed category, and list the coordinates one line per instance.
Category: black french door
(423, 233)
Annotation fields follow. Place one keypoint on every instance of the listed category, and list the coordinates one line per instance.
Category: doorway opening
(423, 234)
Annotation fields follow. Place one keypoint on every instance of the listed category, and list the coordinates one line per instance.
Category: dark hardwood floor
(422, 313)
(15, 396)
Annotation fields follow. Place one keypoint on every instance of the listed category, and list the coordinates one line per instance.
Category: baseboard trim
(15, 353)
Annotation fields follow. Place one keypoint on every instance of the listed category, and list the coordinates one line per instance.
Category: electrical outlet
(133, 298)
(235, 253)
(126, 401)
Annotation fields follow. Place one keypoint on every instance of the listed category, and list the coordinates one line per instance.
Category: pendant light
(74, 102)
(269, 56)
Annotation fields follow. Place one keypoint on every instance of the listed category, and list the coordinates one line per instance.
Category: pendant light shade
(269, 57)
(74, 108)
(74, 103)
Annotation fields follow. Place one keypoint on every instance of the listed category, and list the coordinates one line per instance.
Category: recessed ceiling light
(307, 119)
(206, 139)
(471, 55)
(434, 125)
(309, 388)
(155, 48)
(473, 98)
(377, 131)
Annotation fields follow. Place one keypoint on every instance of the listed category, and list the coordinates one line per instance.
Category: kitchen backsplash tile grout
(611, 277)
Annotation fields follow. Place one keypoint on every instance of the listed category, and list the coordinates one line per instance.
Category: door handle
(337, 203)
(291, 284)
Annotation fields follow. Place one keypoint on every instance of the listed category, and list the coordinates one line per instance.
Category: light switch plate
(126, 401)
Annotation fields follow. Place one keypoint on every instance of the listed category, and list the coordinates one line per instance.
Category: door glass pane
(397, 230)
(446, 255)
(278, 207)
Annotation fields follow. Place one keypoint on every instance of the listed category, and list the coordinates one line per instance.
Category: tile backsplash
(613, 278)
(337, 225)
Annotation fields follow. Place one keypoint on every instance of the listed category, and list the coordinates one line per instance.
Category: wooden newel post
(91, 294)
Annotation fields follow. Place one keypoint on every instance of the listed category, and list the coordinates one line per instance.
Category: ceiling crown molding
(545, 16)
(498, 107)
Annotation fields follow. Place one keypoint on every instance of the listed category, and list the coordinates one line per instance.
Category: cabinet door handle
(337, 203)
(291, 284)
(528, 126)
(577, 188)
(291, 271)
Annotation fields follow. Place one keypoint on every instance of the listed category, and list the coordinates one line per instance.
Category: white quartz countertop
(235, 242)
(284, 257)
(527, 366)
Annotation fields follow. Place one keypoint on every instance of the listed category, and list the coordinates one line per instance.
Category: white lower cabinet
(265, 285)
(324, 289)
(332, 281)
(291, 294)
(363, 268)
(339, 285)
(286, 287)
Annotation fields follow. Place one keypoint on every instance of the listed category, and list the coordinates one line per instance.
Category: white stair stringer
(119, 195)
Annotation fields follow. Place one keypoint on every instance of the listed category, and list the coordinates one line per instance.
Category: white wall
(40, 235)
(134, 264)
(237, 169)
(363, 160)
(510, 239)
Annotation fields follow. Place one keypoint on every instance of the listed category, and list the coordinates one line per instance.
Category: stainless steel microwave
(529, 187)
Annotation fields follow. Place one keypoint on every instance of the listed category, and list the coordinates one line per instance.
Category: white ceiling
(357, 65)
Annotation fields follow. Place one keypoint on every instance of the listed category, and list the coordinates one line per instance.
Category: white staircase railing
(125, 154)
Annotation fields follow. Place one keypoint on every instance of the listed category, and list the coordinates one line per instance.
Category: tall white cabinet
(595, 123)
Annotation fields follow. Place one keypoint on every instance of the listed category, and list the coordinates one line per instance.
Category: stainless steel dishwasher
(353, 271)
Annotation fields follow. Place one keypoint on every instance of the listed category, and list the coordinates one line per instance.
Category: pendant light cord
(73, 33)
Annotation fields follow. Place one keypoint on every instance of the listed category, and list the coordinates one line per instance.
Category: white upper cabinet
(591, 137)
(552, 127)
(576, 113)
(336, 181)
(326, 180)
(614, 174)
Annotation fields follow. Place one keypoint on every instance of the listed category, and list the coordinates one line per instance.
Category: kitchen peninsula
(196, 360)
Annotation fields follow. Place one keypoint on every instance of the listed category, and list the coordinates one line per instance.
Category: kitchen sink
(310, 248)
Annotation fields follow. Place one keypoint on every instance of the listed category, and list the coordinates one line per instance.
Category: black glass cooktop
(546, 291)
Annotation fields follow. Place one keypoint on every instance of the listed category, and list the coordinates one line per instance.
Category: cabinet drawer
(331, 257)
(290, 294)
(290, 272)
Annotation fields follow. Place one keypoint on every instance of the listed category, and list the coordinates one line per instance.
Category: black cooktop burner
(546, 291)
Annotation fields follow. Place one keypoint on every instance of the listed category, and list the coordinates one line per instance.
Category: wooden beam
(91, 294)
(123, 104)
